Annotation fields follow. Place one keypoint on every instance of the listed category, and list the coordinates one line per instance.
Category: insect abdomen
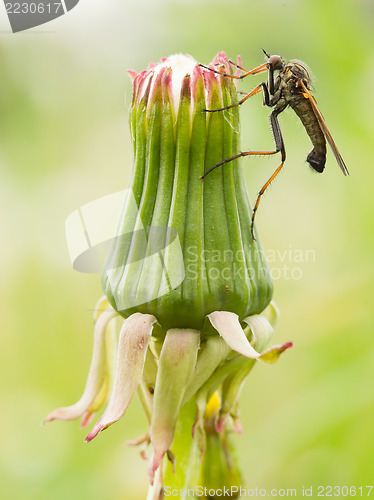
(317, 157)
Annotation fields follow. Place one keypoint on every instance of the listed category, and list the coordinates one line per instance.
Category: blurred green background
(64, 98)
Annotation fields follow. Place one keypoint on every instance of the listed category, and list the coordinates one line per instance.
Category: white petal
(132, 347)
(261, 329)
(96, 375)
(228, 326)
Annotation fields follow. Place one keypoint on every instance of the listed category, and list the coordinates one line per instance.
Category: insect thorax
(298, 71)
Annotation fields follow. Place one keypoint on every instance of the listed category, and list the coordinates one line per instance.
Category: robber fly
(291, 87)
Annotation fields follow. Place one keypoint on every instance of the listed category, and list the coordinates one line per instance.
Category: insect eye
(275, 61)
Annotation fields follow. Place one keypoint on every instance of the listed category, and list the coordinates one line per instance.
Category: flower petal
(132, 347)
(212, 354)
(176, 365)
(106, 389)
(228, 326)
(96, 375)
(261, 329)
(271, 313)
(272, 354)
(101, 305)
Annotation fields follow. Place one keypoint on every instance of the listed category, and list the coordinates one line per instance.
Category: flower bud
(191, 250)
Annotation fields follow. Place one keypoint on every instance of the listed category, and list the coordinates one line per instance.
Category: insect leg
(238, 66)
(254, 71)
(271, 79)
(279, 143)
(265, 95)
(255, 91)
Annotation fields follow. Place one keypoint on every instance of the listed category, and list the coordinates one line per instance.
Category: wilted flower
(192, 285)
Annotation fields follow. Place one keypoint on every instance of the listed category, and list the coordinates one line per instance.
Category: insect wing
(325, 130)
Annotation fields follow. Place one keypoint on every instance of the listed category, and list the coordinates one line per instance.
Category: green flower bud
(191, 250)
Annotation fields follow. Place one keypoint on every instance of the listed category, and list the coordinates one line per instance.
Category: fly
(291, 87)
